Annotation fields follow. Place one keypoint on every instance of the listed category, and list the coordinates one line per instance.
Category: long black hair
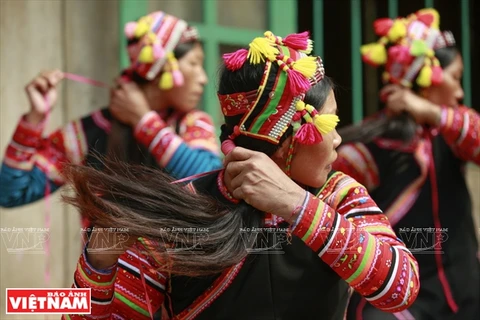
(402, 127)
(143, 199)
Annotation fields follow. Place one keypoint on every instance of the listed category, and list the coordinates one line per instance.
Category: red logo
(48, 301)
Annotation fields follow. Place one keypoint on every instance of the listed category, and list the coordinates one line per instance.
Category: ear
(280, 156)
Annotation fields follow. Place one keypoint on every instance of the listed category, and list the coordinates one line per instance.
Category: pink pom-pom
(297, 82)
(437, 75)
(227, 146)
(130, 30)
(297, 41)
(308, 134)
(235, 60)
(158, 51)
(177, 78)
(400, 54)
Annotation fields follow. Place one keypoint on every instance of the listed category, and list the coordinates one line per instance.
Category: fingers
(54, 77)
(239, 154)
(45, 81)
(38, 84)
(387, 91)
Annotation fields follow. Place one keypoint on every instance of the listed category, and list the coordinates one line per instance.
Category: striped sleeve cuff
(102, 282)
(28, 135)
(148, 128)
(315, 223)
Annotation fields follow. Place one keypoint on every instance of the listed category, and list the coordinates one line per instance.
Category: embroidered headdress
(267, 112)
(152, 40)
(406, 48)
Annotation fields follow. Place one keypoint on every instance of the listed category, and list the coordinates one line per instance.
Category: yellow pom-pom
(300, 105)
(306, 66)
(309, 108)
(325, 122)
(261, 48)
(398, 31)
(424, 78)
(142, 28)
(146, 55)
(374, 53)
(166, 80)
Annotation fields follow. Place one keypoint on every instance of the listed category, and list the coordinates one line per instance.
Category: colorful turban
(152, 40)
(267, 112)
(406, 48)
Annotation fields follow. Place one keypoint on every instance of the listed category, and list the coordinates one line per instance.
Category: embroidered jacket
(341, 239)
(181, 144)
(422, 190)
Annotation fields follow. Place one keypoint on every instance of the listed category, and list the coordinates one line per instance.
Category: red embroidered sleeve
(356, 161)
(25, 142)
(460, 128)
(28, 149)
(118, 292)
(198, 131)
(350, 233)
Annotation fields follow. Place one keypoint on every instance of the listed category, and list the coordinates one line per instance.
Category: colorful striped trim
(366, 259)
(209, 296)
(131, 304)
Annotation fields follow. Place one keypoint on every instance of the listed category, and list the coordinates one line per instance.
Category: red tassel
(297, 82)
(298, 41)
(308, 134)
(382, 26)
(235, 60)
(297, 116)
(437, 75)
(426, 18)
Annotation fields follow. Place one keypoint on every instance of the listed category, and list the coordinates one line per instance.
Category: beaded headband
(411, 43)
(278, 102)
(155, 37)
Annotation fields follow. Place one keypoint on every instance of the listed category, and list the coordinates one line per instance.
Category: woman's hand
(128, 103)
(106, 245)
(41, 87)
(399, 99)
(254, 177)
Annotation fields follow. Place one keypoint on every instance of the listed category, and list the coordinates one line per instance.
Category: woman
(155, 100)
(412, 161)
(275, 235)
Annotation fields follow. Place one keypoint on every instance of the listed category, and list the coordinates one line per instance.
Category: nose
(459, 94)
(203, 78)
(337, 140)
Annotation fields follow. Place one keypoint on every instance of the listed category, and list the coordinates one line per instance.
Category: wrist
(292, 206)
(138, 118)
(434, 115)
(34, 117)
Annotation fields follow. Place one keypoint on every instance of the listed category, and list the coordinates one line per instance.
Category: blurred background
(85, 37)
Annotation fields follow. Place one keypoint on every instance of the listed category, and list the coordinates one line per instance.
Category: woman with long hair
(274, 235)
(151, 118)
(412, 156)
